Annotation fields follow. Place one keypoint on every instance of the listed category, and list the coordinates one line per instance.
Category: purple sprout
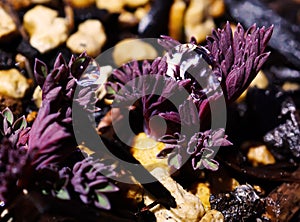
(238, 57)
(36, 158)
(90, 182)
(224, 68)
(146, 89)
(51, 137)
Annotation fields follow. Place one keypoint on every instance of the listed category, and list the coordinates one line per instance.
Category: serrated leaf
(20, 123)
(7, 113)
(102, 202)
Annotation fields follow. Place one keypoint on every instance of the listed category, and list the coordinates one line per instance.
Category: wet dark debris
(286, 136)
(155, 23)
(242, 204)
(285, 32)
(7, 60)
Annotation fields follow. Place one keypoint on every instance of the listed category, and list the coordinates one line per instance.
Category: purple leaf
(40, 72)
(59, 61)
(90, 184)
(172, 116)
(167, 42)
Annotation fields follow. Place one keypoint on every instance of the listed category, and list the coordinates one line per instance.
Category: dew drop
(91, 75)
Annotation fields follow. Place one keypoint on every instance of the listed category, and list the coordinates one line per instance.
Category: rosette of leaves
(146, 90)
(153, 88)
(50, 143)
(51, 180)
(91, 183)
(191, 62)
(235, 60)
(63, 80)
(224, 68)
(51, 139)
(201, 148)
(238, 57)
